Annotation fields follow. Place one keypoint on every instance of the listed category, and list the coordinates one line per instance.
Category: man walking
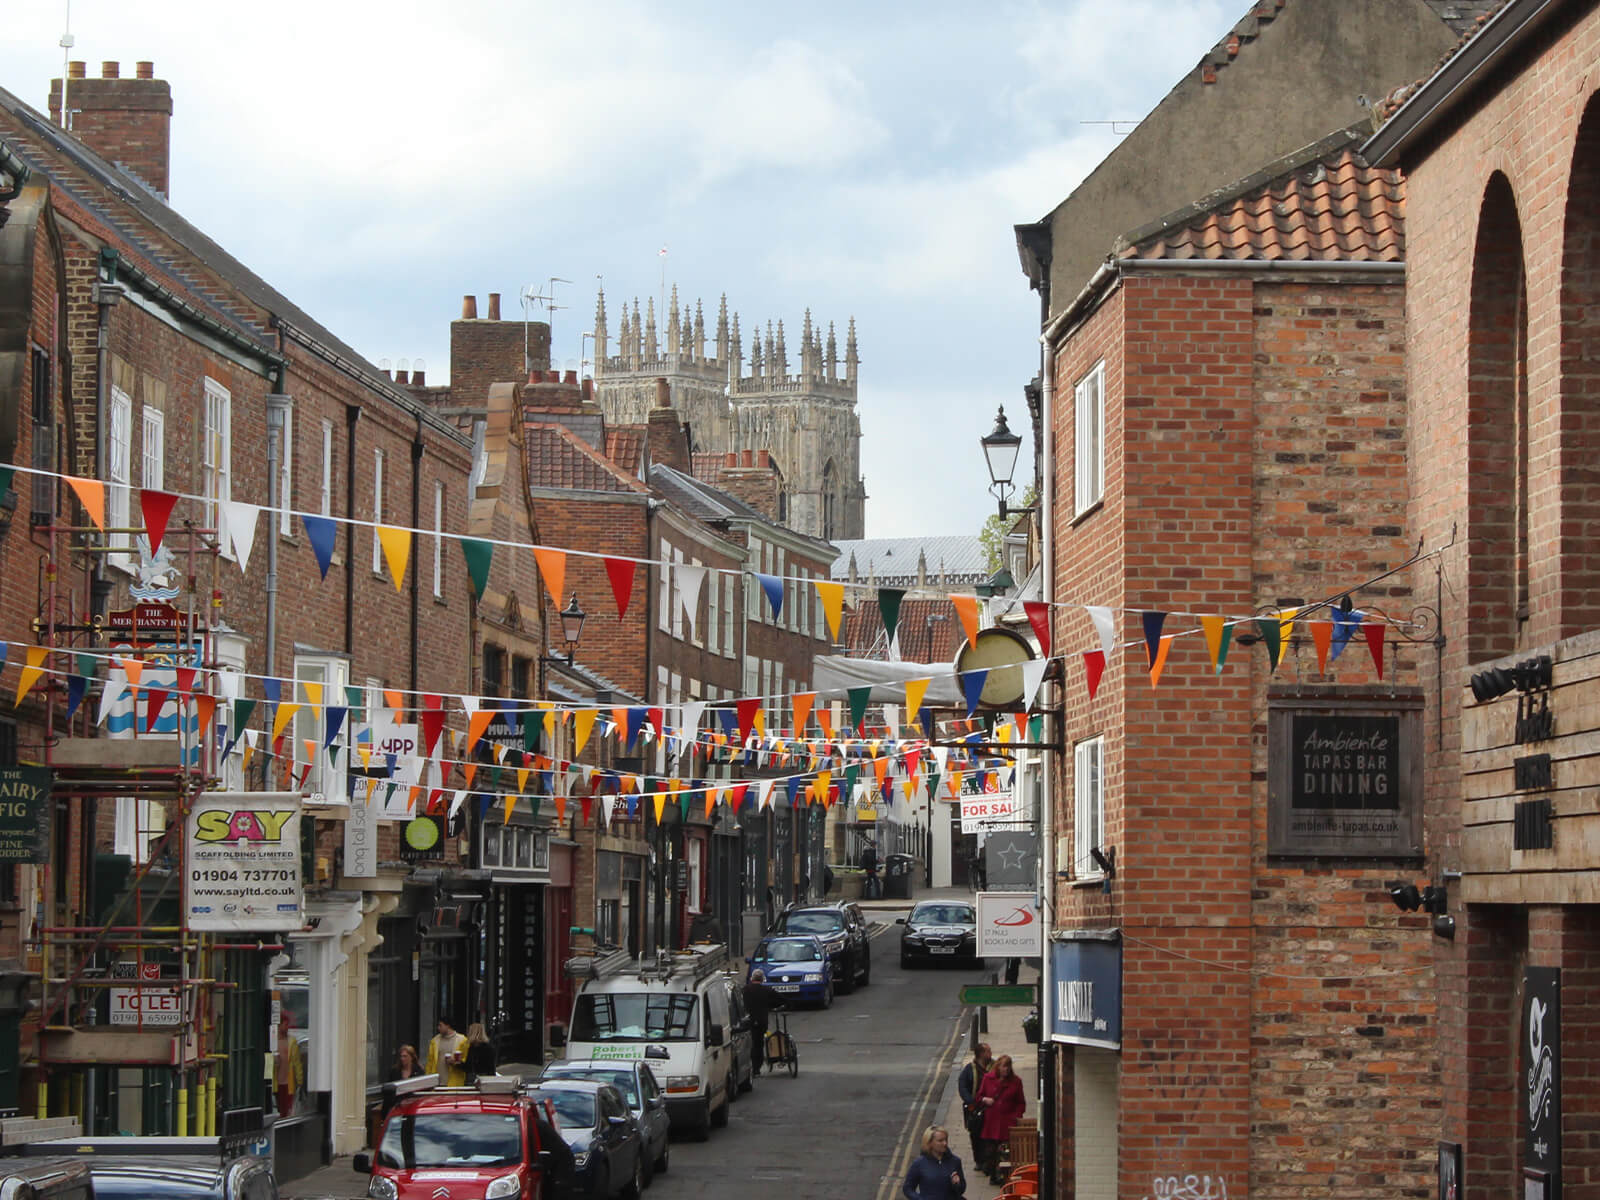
(758, 1002)
(967, 1084)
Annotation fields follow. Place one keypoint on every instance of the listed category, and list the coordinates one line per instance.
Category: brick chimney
(665, 433)
(126, 121)
(487, 350)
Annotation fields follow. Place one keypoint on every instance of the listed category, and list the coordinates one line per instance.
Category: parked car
(155, 1168)
(607, 1149)
(939, 931)
(639, 1087)
(842, 930)
(797, 968)
(742, 1039)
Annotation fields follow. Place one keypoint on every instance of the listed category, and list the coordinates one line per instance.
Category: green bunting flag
(1268, 628)
(889, 607)
(858, 705)
(477, 553)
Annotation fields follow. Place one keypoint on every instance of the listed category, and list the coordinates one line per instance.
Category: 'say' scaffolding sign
(242, 862)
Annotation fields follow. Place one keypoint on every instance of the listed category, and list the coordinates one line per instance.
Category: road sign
(999, 993)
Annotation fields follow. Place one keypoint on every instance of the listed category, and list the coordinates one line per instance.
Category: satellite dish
(1002, 653)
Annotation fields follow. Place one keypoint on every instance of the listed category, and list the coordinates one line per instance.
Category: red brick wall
(127, 121)
(484, 352)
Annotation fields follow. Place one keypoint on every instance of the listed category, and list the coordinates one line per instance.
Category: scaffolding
(134, 1032)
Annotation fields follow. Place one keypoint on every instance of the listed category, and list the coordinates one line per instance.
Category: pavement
(339, 1180)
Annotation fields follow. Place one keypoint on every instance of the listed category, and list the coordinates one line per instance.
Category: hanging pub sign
(24, 814)
(422, 838)
(242, 862)
(1344, 773)
(1539, 1082)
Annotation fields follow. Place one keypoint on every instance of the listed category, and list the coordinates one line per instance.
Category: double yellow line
(909, 1143)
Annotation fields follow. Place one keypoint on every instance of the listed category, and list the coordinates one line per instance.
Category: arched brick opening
(1577, 519)
(1497, 443)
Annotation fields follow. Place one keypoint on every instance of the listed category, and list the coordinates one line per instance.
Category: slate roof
(1321, 203)
(954, 558)
(700, 499)
(559, 458)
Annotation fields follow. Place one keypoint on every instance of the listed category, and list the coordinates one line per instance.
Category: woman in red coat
(1001, 1101)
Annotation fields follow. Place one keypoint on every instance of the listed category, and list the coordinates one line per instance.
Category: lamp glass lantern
(1000, 449)
(572, 618)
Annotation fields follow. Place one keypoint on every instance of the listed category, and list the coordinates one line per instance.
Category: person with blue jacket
(937, 1173)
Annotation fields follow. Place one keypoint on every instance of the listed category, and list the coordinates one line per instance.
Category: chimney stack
(663, 394)
(494, 306)
(469, 308)
(128, 122)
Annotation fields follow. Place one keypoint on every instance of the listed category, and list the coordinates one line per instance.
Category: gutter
(248, 353)
(15, 170)
(1449, 86)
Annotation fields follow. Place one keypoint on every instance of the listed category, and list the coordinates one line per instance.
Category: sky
(377, 162)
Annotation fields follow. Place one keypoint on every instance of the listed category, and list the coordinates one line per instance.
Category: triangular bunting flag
(237, 522)
(1153, 621)
(1160, 659)
(156, 509)
(1268, 627)
(690, 580)
(1038, 613)
(803, 703)
(967, 609)
(972, 688)
(1219, 633)
(916, 689)
(620, 572)
(889, 609)
(553, 568)
(1105, 624)
(1094, 666)
(284, 715)
(832, 596)
(582, 727)
(1374, 631)
(91, 494)
(479, 554)
(396, 545)
(155, 699)
(747, 710)
(772, 585)
(1322, 639)
(858, 706)
(31, 671)
(1032, 676)
(320, 532)
(205, 708)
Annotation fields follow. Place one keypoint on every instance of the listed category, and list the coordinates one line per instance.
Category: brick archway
(1578, 476)
(1497, 423)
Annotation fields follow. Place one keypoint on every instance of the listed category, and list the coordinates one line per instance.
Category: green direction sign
(998, 993)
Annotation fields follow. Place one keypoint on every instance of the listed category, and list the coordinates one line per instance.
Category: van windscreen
(635, 1016)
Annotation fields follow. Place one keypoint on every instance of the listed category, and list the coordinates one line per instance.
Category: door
(557, 949)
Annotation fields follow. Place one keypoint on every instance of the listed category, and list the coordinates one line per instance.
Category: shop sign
(361, 838)
(1344, 776)
(1011, 860)
(144, 624)
(24, 814)
(1086, 1001)
(1539, 1082)
(1009, 926)
(144, 1005)
(242, 862)
(422, 838)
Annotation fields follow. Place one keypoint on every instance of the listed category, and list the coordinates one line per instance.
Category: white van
(674, 1013)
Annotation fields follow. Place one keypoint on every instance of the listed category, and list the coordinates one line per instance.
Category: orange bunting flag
(553, 566)
(469, 772)
(205, 708)
(1322, 638)
(1021, 721)
(1218, 633)
(880, 768)
(803, 702)
(477, 723)
(967, 609)
(561, 808)
(91, 494)
(711, 800)
(31, 672)
(394, 699)
(396, 545)
(916, 689)
(825, 719)
(311, 750)
(1161, 660)
(955, 782)
(411, 797)
(133, 668)
(832, 596)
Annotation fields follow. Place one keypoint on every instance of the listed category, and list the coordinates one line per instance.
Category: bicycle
(780, 1046)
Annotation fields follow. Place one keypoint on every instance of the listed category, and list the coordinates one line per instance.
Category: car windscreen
(813, 922)
(574, 1110)
(451, 1139)
(635, 1017)
(792, 951)
(943, 914)
(621, 1079)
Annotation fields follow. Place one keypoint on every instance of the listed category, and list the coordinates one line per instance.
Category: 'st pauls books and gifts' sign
(242, 862)
(1009, 926)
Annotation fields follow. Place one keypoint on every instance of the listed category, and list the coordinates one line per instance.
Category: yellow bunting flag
(909, 786)
(313, 692)
(91, 494)
(955, 782)
(916, 689)
(396, 545)
(760, 722)
(522, 778)
(803, 702)
(824, 786)
(31, 672)
(553, 566)
(967, 609)
(1213, 628)
(371, 784)
(659, 799)
(286, 713)
(711, 800)
(364, 749)
(249, 753)
(1286, 625)
(511, 803)
(1161, 660)
(582, 727)
(832, 596)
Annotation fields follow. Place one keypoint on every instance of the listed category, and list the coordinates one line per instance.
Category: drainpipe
(416, 523)
(1047, 838)
(277, 410)
(107, 291)
(352, 414)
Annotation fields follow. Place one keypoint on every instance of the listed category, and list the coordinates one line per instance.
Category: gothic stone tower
(806, 421)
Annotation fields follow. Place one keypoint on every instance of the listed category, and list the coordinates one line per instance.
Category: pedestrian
(447, 1056)
(480, 1059)
(869, 863)
(827, 880)
(937, 1173)
(1001, 1099)
(289, 1074)
(562, 1167)
(967, 1083)
(759, 1001)
(406, 1064)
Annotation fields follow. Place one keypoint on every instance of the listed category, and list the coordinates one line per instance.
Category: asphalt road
(872, 1070)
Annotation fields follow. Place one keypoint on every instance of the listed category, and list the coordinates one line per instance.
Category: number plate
(786, 987)
(941, 949)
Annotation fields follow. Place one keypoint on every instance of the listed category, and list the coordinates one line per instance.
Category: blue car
(797, 968)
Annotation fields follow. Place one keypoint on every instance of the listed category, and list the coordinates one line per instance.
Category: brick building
(155, 360)
(1501, 150)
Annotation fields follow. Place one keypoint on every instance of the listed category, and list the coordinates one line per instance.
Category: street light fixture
(572, 617)
(1000, 449)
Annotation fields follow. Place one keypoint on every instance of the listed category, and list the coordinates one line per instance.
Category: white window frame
(693, 855)
(377, 510)
(438, 539)
(697, 627)
(153, 449)
(713, 637)
(216, 454)
(325, 497)
(1089, 805)
(728, 622)
(333, 672)
(286, 475)
(664, 587)
(673, 598)
(119, 477)
(785, 618)
(1089, 448)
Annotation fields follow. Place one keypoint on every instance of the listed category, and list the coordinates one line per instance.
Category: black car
(639, 1087)
(842, 930)
(940, 931)
(607, 1149)
(165, 1168)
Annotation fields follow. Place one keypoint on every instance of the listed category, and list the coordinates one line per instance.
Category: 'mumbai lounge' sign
(1345, 774)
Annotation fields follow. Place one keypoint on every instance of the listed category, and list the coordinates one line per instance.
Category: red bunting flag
(1373, 631)
(154, 699)
(588, 808)
(156, 508)
(620, 571)
(185, 677)
(747, 710)
(1094, 665)
(1039, 617)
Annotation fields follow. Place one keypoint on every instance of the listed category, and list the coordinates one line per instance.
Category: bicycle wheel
(794, 1058)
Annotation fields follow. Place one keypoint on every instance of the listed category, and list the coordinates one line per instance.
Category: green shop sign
(24, 814)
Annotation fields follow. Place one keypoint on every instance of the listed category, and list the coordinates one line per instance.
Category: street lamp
(1000, 449)
(572, 617)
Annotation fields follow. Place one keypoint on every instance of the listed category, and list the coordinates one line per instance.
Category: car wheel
(866, 971)
(827, 995)
(661, 1163)
(845, 979)
(719, 1115)
(635, 1183)
(702, 1126)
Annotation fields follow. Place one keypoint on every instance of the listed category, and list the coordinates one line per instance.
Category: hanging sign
(146, 1005)
(1539, 1082)
(24, 814)
(1009, 926)
(242, 862)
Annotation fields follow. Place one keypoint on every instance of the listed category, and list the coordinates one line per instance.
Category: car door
(622, 1140)
(720, 1055)
(653, 1110)
(740, 1035)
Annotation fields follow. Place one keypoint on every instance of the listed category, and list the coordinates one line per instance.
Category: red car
(481, 1143)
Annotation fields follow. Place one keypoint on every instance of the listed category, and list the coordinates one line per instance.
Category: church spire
(697, 344)
(782, 354)
(652, 348)
(634, 342)
(831, 361)
(722, 330)
(851, 359)
(735, 352)
(808, 360)
(674, 330)
(600, 332)
(757, 357)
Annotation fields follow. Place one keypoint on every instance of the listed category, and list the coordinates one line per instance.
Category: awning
(833, 677)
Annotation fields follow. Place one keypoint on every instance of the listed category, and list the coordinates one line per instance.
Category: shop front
(515, 854)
